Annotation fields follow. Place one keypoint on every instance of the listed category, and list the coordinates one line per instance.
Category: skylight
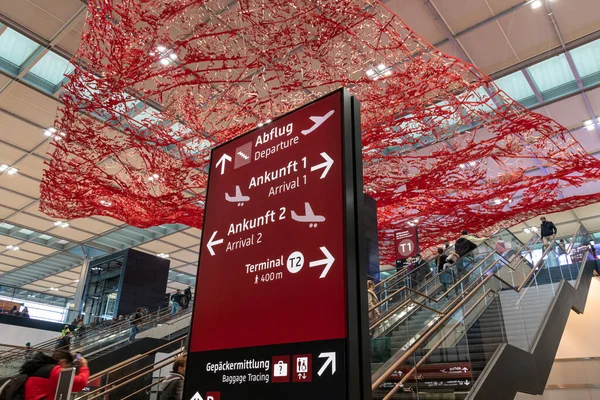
(551, 73)
(15, 47)
(52, 68)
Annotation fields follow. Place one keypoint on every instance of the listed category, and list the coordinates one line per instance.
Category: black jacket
(463, 246)
(548, 229)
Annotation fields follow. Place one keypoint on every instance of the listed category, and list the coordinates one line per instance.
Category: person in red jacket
(43, 372)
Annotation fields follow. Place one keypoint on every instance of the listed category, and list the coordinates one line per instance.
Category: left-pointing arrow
(327, 262)
(327, 165)
(330, 360)
(212, 242)
(224, 158)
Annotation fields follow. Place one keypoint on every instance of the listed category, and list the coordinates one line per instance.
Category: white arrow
(212, 242)
(222, 161)
(330, 360)
(327, 262)
(197, 397)
(327, 165)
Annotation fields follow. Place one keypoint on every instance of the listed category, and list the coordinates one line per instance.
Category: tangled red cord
(442, 144)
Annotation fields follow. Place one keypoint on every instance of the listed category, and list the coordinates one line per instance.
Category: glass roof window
(516, 86)
(16, 48)
(552, 73)
(587, 58)
(51, 68)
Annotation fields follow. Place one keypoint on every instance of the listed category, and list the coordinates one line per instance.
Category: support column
(77, 310)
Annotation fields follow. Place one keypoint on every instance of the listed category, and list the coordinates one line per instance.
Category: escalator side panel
(113, 358)
(513, 370)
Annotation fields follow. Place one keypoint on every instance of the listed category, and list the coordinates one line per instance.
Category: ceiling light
(165, 61)
(536, 4)
(11, 247)
(534, 228)
(268, 121)
(462, 165)
(472, 163)
(527, 230)
(370, 72)
(105, 203)
(162, 255)
(61, 224)
(260, 125)
(76, 280)
(8, 169)
(388, 72)
(54, 289)
(173, 56)
(381, 67)
(161, 48)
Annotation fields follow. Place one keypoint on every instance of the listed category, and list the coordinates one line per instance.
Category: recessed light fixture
(590, 125)
(161, 48)
(381, 67)
(61, 224)
(8, 169)
(462, 165)
(12, 247)
(380, 71)
(370, 72)
(472, 163)
(105, 203)
(173, 56)
(162, 255)
(76, 280)
(54, 289)
(536, 4)
(54, 133)
(165, 61)
(153, 177)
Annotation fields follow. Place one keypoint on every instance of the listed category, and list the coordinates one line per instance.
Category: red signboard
(407, 243)
(273, 263)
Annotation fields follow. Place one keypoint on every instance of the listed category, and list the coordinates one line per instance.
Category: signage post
(280, 304)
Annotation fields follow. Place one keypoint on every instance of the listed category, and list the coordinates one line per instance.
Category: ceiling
(550, 63)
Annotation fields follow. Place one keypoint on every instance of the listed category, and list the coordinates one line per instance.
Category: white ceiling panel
(190, 269)
(36, 248)
(32, 165)
(157, 246)
(21, 184)
(186, 255)
(468, 14)
(416, 16)
(91, 225)
(69, 275)
(31, 221)
(74, 235)
(181, 240)
(25, 255)
(13, 200)
(7, 259)
(20, 133)
(6, 268)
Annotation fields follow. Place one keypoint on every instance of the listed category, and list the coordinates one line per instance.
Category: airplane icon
(238, 198)
(308, 217)
(318, 122)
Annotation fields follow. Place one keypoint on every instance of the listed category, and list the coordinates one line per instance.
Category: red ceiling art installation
(157, 83)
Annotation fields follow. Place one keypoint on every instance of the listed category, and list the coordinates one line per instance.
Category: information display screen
(271, 314)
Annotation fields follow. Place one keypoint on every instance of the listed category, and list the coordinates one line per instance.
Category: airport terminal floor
(299, 199)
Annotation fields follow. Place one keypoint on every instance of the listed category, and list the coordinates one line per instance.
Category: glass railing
(94, 343)
(417, 287)
(507, 305)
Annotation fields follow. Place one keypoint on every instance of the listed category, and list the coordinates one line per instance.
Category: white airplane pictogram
(308, 217)
(318, 121)
(238, 198)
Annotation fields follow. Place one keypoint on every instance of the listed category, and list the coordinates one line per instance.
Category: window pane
(587, 58)
(515, 85)
(52, 68)
(15, 47)
(551, 73)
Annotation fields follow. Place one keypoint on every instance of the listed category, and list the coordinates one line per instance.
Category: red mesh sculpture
(442, 144)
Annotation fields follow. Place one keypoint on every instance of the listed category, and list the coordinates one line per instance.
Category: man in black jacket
(548, 231)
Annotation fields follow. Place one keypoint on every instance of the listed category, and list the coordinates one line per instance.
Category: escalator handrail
(435, 275)
(86, 339)
(375, 385)
(532, 276)
(451, 303)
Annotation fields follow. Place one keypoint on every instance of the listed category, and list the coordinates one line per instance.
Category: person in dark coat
(172, 387)
(187, 294)
(548, 231)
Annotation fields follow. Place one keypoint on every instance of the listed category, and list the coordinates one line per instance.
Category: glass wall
(41, 306)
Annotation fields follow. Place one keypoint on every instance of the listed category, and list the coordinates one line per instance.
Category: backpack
(13, 387)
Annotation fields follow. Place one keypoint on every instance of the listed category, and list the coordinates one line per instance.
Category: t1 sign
(280, 308)
(407, 243)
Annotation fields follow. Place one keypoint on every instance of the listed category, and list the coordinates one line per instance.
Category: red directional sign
(273, 260)
(407, 243)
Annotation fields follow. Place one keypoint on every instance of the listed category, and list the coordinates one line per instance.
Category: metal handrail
(120, 328)
(451, 303)
(375, 385)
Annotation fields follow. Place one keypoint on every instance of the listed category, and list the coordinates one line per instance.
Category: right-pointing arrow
(327, 262)
(212, 242)
(327, 165)
(330, 360)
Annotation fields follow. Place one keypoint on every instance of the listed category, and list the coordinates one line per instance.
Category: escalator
(409, 313)
(501, 336)
(108, 345)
